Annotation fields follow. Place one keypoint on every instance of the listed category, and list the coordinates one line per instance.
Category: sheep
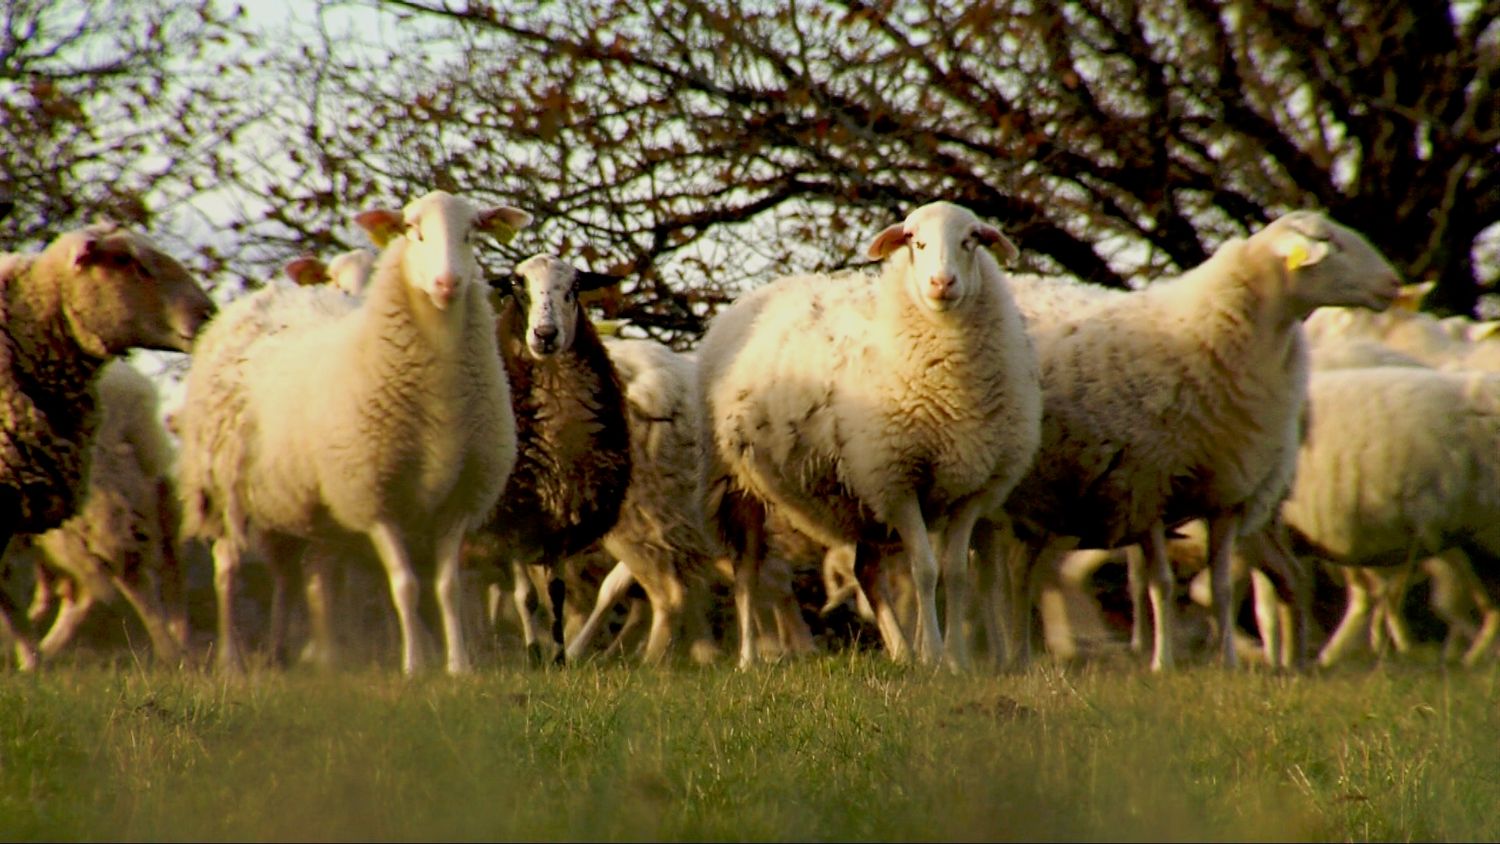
(863, 406)
(309, 417)
(1400, 463)
(88, 297)
(661, 538)
(121, 540)
(573, 442)
(1182, 400)
(348, 271)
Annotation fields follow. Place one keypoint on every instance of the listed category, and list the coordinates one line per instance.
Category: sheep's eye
(568, 295)
(413, 231)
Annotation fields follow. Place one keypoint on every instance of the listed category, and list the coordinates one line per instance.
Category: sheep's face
(1324, 263)
(124, 293)
(944, 244)
(547, 289)
(440, 230)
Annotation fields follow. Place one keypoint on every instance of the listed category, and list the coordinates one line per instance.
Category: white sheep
(662, 539)
(348, 271)
(1400, 463)
(573, 449)
(874, 408)
(1182, 400)
(88, 297)
(120, 542)
(387, 416)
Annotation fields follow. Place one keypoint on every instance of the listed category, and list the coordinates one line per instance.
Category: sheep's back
(1395, 454)
(662, 515)
(1147, 415)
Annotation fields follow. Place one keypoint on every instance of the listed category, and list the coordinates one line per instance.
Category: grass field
(844, 746)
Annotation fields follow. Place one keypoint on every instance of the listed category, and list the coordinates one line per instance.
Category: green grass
(838, 747)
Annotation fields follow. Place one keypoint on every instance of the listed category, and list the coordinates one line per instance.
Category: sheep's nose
(444, 285)
(545, 332)
(940, 286)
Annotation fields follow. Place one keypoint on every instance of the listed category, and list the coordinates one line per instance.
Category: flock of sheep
(943, 441)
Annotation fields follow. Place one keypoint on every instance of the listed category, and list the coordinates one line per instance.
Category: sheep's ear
(1411, 295)
(1005, 251)
(94, 250)
(306, 270)
(381, 224)
(589, 280)
(894, 237)
(1297, 250)
(505, 285)
(1486, 330)
(502, 221)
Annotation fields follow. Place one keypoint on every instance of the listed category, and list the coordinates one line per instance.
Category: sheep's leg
(912, 528)
(870, 570)
(449, 588)
(316, 589)
(1470, 585)
(611, 590)
(1160, 589)
(703, 647)
(1354, 622)
(1267, 617)
(1028, 566)
(226, 584)
(1395, 605)
(1140, 625)
(173, 590)
(793, 636)
(42, 595)
(955, 542)
(145, 600)
(557, 593)
(666, 595)
(73, 607)
(1222, 529)
(520, 595)
(991, 576)
(1268, 552)
(405, 591)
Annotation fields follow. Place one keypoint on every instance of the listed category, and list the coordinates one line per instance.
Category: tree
(708, 144)
(111, 109)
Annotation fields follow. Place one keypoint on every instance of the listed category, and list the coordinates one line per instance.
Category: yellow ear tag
(1296, 258)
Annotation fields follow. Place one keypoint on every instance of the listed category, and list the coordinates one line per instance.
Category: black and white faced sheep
(874, 409)
(88, 297)
(310, 416)
(1184, 400)
(572, 438)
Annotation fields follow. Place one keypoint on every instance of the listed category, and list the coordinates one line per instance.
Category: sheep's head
(121, 292)
(439, 229)
(350, 271)
(1321, 262)
(547, 289)
(944, 243)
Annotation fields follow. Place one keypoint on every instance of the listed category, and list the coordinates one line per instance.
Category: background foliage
(703, 145)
